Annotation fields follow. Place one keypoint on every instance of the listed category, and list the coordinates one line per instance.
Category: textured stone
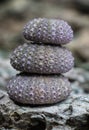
(37, 89)
(81, 76)
(6, 71)
(52, 31)
(42, 59)
(71, 114)
(82, 5)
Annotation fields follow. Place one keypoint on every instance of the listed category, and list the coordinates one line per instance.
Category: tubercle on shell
(34, 58)
(38, 90)
(52, 31)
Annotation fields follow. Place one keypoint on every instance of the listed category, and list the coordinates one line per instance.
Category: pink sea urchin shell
(38, 89)
(52, 31)
(42, 59)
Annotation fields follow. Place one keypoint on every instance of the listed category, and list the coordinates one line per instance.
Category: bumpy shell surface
(38, 89)
(52, 31)
(42, 59)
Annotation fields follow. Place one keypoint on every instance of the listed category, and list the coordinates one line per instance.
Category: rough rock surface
(6, 71)
(71, 114)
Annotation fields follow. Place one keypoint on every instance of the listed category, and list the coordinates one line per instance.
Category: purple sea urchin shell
(38, 89)
(52, 31)
(42, 59)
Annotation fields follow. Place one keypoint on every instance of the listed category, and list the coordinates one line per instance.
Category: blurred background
(15, 13)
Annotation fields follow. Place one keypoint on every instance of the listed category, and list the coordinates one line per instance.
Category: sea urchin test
(42, 59)
(38, 89)
(52, 31)
(42, 62)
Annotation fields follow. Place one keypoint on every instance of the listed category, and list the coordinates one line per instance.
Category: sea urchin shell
(42, 59)
(52, 31)
(38, 89)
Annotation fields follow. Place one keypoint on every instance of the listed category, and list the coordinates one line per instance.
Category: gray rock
(81, 77)
(78, 74)
(82, 5)
(71, 114)
(6, 71)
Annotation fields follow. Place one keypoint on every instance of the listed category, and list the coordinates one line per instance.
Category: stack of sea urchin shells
(42, 62)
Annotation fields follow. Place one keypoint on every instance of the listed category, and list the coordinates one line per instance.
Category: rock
(80, 49)
(85, 65)
(82, 5)
(77, 74)
(3, 1)
(82, 78)
(6, 71)
(17, 8)
(71, 114)
(80, 45)
(78, 21)
(83, 52)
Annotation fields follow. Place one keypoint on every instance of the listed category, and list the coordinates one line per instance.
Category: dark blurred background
(15, 13)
